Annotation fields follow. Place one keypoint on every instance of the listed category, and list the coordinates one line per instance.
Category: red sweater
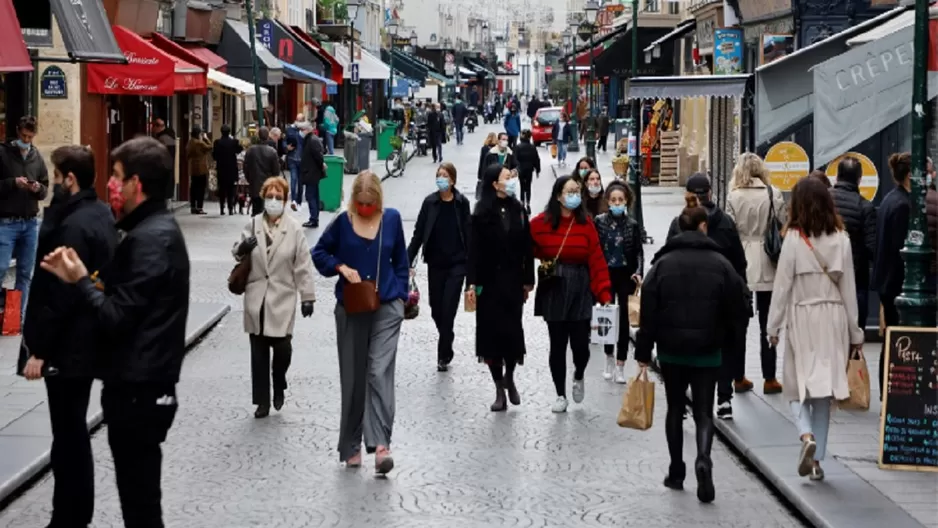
(582, 247)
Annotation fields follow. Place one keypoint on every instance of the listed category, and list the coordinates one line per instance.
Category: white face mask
(503, 144)
(273, 207)
(595, 190)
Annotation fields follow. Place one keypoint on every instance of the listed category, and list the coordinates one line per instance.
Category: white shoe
(579, 390)
(560, 405)
(620, 374)
(610, 367)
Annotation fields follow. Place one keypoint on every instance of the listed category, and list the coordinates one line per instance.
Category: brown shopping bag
(553, 150)
(635, 304)
(638, 403)
(858, 379)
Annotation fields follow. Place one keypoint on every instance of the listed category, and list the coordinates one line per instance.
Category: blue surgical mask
(511, 187)
(617, 210)
(584, 172)
(442, 184)
(23, 146)
(572, 200)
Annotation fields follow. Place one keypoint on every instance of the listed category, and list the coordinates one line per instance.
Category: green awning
(439, 78)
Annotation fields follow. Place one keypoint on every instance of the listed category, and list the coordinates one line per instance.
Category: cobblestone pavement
(457, 463)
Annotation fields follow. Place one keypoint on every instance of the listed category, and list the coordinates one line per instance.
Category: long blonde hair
(748, 167)
(491, 140)
(366, 182)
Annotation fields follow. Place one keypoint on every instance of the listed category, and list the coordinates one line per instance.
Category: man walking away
(24, 182)
(436, 129)
(225, 152)
(198, 152)
(312, 171)
(166, 136)
(59, 340)
(260, 162)
(859, 218)
(603, 127)
(459, 118)
(296, 135)
(141, 308)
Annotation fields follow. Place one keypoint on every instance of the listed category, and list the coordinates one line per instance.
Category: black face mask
(59, 194)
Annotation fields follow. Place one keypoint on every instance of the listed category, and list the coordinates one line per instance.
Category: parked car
(543, 123)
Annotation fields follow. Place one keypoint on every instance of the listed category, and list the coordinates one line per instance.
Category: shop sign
(787, 163)
(705, 31)
(266, 33)
(869, 183)
(727, 52)
(53, 84)
(148, 71)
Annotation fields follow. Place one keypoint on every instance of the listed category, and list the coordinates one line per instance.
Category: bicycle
(398, 158)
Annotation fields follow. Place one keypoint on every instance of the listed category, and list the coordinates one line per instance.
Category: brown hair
(276, 182)
(901, 166)
(693, 214)
(624, 188)
(449, 169)
(28, 123)
(811, 209)
(491, 140)
(77, 160)
(821, 176)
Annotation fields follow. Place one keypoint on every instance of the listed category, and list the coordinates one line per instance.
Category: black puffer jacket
(892, 226)
(692, 300)
(859, 218)
(722, 230)
(528, 159)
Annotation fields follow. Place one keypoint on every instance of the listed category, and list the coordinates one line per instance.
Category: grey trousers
(367, 358)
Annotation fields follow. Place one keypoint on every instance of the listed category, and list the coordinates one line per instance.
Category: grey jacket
(16, 202)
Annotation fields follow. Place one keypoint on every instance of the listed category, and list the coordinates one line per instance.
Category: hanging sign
(354, 73)
(869, 183)
(787, 163)
(53, 84)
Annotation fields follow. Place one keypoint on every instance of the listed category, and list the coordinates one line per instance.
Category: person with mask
(459, 112)
(621, 240)
(560, 135)
(330, 128)
(312, 171)
(693, 300)
(583, 169)
(513, 125)
(529, 164)
(296, 137)
(501, 154)
(199, 155)
(225, 152)
(593, 197)
(573, 277)
(139, 307)
(500, 277)
(366, 243)
(602, 128)
(260, 162)
(65, 357)
(281, 273)
(722, 230)
(442, 231)
(23, 184)
(436, 132)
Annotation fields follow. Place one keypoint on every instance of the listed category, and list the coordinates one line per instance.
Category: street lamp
(393, 27)
(574, 77)
(527, 72)
(352, 12)
(635, 161)
(592, 11)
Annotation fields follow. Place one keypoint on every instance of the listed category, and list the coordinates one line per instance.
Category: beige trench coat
(277, 280)
(749, 208)
(819, 317)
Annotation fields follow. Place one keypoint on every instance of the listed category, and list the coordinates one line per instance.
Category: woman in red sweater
(572, 277)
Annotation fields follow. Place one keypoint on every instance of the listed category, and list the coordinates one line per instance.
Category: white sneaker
(560, 405)
(610, 367)
(579, 390)
(620, 374)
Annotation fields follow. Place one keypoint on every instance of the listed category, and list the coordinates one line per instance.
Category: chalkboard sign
(53, 84)
(908, 433)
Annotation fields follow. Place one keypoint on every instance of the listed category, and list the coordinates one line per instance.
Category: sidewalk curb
(21, 481)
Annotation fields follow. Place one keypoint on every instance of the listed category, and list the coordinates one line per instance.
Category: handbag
(635, 304)
(362, 297)
(238, 278)
(772, 236)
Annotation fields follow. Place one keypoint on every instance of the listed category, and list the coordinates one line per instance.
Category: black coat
(722, 230)
(16, 202)
(693, 300)
(225, 153)
(260, 162)
(491, 158)
(436, 127)
(892, 226)
(555, 131)
(426, 219)
(529, 161)
(58, 328)
(143, 309)
(859, 218)
(501, 263)
(459, 114)
(312, 160)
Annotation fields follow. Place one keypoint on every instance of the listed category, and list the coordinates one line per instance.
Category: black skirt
(567, 298)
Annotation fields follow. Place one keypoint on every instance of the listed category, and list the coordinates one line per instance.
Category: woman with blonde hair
(281, 271)
(365, 247)
(751, 202)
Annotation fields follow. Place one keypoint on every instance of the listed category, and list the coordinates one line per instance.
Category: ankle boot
(500, 403)
(513, 395)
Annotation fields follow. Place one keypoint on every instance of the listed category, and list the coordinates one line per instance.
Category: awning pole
(635, 161)
(916, 304)
(257, 87)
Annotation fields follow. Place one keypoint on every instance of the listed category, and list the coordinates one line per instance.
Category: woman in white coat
(815, 302)
(749, 202)
(281, 271)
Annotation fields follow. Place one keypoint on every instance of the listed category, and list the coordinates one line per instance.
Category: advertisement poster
(775, 47)
(727, 51)
(787, 163)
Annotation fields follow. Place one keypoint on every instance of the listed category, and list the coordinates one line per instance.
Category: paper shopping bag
(858, 379)
(604, 328)
(635, 304)
(638, 403)
(553, 150)
(11, 312)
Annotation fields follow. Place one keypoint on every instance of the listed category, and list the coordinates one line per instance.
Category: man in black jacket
(436, 131)
(260, 162)
(312, 171)
(60, 341)
(859, 218)
(225, 152)
(459, 118)
(140, 307)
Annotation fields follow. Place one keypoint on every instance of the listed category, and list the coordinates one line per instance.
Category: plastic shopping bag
(858, 379)
(604, 328)
(638, 403)
(412, 306)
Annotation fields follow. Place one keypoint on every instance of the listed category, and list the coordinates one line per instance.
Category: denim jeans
(330, 143)
(18, 239)
(561, 152)
(459, 135)
(312, 200)
(296, 187)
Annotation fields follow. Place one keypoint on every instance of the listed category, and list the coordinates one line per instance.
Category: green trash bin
(386, 130)
(330, 187)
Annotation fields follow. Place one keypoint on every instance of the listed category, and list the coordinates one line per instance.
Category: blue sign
(354, 75)
(727, 51)
(53, 84)
(266, 36)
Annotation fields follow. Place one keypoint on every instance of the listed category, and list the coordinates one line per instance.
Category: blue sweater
(513, 125)
(339, 244)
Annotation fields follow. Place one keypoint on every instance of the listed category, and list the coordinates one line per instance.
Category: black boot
(263, 411)
(278, 399)
(704, 470)
(513, 395)
(500, 403)
(675, 478)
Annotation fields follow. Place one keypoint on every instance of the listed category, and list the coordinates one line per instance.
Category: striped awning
(687, 86)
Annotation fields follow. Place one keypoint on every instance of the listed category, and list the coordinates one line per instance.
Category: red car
(543, 124)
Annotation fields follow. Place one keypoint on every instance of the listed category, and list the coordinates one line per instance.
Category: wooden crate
(668, 174)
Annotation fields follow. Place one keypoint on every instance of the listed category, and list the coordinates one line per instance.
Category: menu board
(908, 433)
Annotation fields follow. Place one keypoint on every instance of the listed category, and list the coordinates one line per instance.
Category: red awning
(149, 71)
(13, 54)
(335, 68)
(583, 59)
(191, 71)
(208, 56)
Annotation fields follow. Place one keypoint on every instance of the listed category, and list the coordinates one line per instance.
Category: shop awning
(234, 86)
(287, 48)
(190, 70)
(479, 68)
(466, 72)
(86, 32)
(403, 64)
(235, 48)
(149, 71)
(14, 57)
(208, 57)
(369, 66)
(436, 77)
(299, 74)
(687, 86)
(680, 31)
(864, 90)
(582, 53)
(335, 68)
(784, 88)
(615, 59)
